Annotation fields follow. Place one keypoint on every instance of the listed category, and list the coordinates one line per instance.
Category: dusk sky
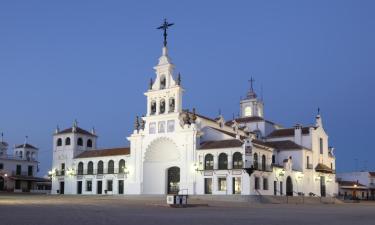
(92, 61)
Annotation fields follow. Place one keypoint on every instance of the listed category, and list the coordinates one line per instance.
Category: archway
(173, 181)
(289, 186)
(161, 155)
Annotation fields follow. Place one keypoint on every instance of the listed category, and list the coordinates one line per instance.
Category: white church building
(173, 150)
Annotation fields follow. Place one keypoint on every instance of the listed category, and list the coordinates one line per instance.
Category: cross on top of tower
(165, 27)
(251, 93)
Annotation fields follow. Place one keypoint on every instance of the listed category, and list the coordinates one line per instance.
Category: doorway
(121, 187)
(322, 186)
(173, 181)
(289, 186)
(99, 187)
(2, 183)
(62, 187)
(79, 187)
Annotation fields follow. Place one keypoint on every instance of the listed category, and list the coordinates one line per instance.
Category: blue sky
(92, 60)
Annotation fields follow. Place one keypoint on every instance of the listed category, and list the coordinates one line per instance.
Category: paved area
(82, 210)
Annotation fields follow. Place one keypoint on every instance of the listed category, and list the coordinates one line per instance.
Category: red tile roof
(78, 130)
(284, 145)
(231, 143)
(26, 146)
(349, 183)
(372, 174)
(287, 132)
(104, 152)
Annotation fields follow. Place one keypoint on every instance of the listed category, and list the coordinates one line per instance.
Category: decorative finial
(318, 111)
(165, 27)
(75, 123)
(251, 93)
(150, 84)
(26, 137)
(93, 131)
(179, 79)
(136, 123)
(193, 116)
(57, 130)
(143, 123)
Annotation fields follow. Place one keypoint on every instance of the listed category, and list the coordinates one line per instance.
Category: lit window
(170, 126)
(89, 185)
(222, 182)
(248, 111)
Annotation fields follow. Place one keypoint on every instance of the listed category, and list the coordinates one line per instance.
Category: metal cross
(165, 27)
(251, 83)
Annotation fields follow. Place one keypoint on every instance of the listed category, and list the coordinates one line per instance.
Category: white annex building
(174, 150)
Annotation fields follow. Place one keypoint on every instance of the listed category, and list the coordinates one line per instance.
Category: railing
(21, 173)
(101, 172)
(13, 157)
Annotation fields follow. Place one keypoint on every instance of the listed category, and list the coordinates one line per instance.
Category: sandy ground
(82, 210)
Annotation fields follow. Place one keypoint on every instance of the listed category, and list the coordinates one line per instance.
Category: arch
(33, 156)
(209, 162)
(223, 161)
(59, 142)
(67, 141)
(289, 186)
(111, 167)
(80, 168)
(121, 166)
(173, 181)
(172, 104)
(90, 168)
(28, 155)
(153, 107)
(80, 142)
(162, 150)
(237, 160)
(163, 82)
(89, 143)
(255, 161)
(100, 167)
(21, 154)
(263, 162)
(162, 106)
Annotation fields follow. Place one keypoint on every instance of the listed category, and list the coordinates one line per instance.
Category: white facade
(18, 170)
(173, 150)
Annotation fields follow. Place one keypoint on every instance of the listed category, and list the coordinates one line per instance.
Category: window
(236, 185)
(18, 170)
(59, 142)
(209, 162)
(263, 162)
(161, 127)
(1, 166)
(265, 183)
(162, 82)
(21, 154)
(89, 185)
(90, 168)
(237, 160)
(162, 106)
(63, 169)
(28, 156)
(223, 161)
(111, 167)
(109, 185)
(100, 167)
(121, 166)
(30, 171)
(171, 105)
(170, 126)
(256, 183)
(152, 128)
(248, 111)
(273, 159)
(275, 188)
(18, 185)
(153, 108)
(222, 182)
(89, 143)
(67, 141)
(255, 161)
(80, 168)
(80, 142)
(321, 145)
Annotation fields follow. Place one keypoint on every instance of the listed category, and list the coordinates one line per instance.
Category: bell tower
(251, 105)
(165, 93)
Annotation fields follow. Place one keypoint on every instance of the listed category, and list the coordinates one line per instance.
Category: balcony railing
(101, 172)
(22, 173)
